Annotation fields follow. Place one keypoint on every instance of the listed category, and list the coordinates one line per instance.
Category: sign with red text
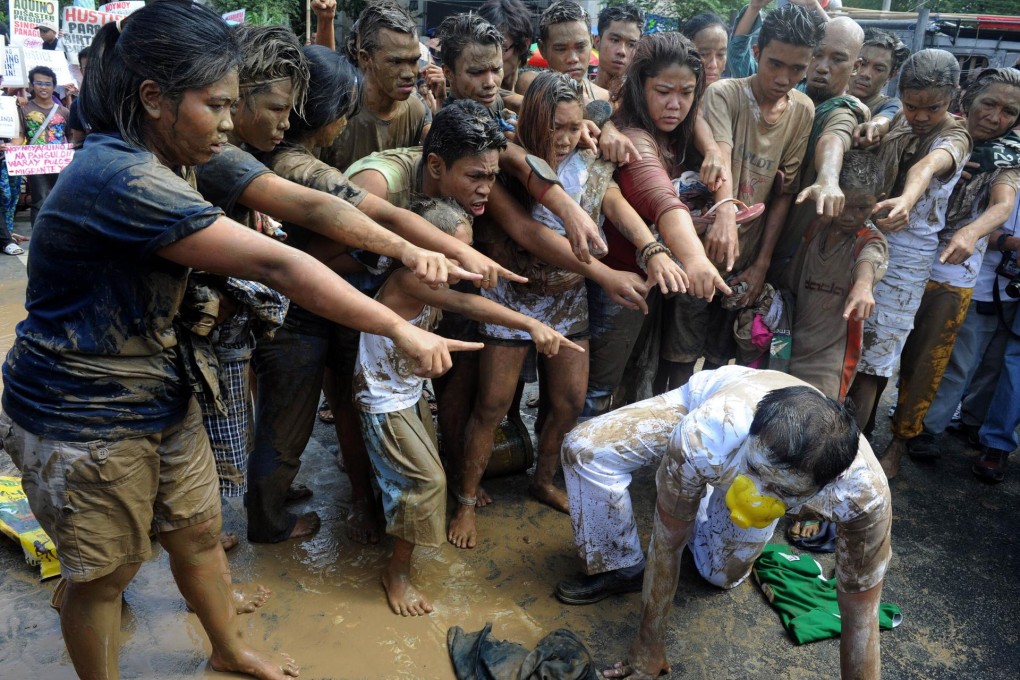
(51, 59)
(10, 121)
(235, 17)
(80, 26)
(124, 8)
(38, 159)
(15, 73)
(26, 15)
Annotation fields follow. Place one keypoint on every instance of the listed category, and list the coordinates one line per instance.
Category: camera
(1008, 269)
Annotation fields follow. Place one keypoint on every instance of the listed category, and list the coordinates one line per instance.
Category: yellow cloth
(18, 522)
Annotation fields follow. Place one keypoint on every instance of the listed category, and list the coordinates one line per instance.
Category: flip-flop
(326, 414)
(745, 213)
(13, 249)
(822, 542)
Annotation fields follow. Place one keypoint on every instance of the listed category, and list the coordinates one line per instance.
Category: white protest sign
(25, 15)
(80, 26)
(51, 58)
(38, 159)
(10, 121)
(14, 68)
(124, 8)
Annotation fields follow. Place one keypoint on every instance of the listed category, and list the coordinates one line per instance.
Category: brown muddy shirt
(760, 149)
(366, 134)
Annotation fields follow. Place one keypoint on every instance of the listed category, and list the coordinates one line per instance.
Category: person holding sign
(10, 185)
(44, 121)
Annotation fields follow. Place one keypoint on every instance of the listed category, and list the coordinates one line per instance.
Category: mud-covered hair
(792, 25)
(443, 212)
(463, 128)
(148, 45)
(931, 70)
(699, 22)
(377, 16)
(655, 53)
(538, 111)
(985, 81)
(514, 21)
(628, 14)
(561, 12)
(806, 431)
(334, 91)
(861, 173)
(460, 30)
(886, 40)
(270, 53)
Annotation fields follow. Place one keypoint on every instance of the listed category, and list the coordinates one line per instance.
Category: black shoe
(923, 447)
(968, 434)
(589, 589)
(991, 465)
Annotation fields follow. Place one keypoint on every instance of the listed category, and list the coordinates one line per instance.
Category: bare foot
(403, 597)
(228, 539)
(306, 525)
(805, 529)
(249, 596)
(249, 661)
(890, 460)
(551, 496)
(363, 523)
(463, 532)
(483, 498)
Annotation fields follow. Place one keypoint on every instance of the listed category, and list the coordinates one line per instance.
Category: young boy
(834, 274)
(395, 419)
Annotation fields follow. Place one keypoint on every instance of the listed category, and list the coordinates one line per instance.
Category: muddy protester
(739, 450)
(513, 20)
(923, 156)
(710, 34)
(619, 30)
(882, 56)
(104, 286)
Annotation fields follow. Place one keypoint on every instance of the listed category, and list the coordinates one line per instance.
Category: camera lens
(1013, 288)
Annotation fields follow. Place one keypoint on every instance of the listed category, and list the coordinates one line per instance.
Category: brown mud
(953, 573)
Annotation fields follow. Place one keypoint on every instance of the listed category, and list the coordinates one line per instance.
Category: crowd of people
(250, 223)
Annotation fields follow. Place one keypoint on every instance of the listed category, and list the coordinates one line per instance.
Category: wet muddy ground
(954, 574)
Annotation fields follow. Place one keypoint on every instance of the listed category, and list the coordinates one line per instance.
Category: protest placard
(10, 121)
(25, 15)
(38, 159)
(235, 17)
(80, 26)
(15, 73)
(124, 8)
(51, 58)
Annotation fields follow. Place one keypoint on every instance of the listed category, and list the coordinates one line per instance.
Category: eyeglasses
(39, 83)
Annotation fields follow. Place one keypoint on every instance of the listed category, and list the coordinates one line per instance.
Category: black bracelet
(1001, 242)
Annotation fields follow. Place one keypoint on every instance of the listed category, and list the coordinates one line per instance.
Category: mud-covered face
(568, 49)
(568, 122)
(468, 180)
(764, 491)
(617, 46)
(393, 65)
(873, 73)
(856, 210)
(477, 74)
(189, 130)
(924, 109)
(711, 45)
(993, 112)
(260, 120)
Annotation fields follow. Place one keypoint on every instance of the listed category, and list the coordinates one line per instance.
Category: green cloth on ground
(804, 598)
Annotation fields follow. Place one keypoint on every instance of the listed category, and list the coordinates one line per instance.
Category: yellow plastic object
(748, 508)
(18, 522)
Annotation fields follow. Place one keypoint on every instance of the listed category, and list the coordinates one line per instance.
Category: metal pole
(886, 5)
(922, 24)
(308, 21)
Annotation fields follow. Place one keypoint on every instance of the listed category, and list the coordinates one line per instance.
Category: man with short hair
(881, 57)
(836, 116)
(384, 45)
(48, 33)
(761, 124)
(564, 39)
(44, 121)
(740, 59)
(619, 32)
(472, 53)
(513, 20)
(739, 449)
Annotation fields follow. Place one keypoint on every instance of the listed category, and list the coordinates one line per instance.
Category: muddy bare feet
(805, 529)
(551, 496)
(890, 460)
(462, 532)
(306, 525)
(483, 498)
(228, 539)
(363, 523)
(403, 597)
(249, 661)
(249, 596)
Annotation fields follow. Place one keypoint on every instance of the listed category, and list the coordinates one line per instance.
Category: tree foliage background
(685, 9)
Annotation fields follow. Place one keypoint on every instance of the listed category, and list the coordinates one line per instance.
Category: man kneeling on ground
(740, 448)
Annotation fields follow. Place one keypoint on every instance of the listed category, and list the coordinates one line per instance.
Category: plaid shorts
(232, 436)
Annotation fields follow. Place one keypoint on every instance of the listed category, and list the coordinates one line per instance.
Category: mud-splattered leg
(90, 622)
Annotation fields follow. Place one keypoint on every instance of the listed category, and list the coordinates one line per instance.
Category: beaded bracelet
(648, 253)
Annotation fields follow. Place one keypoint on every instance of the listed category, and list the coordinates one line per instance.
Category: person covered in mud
(96, 412)
(395, 418)
(923, 155)
(881, 58)
(289, 367)
(513, 20)
(709, 33)
(383, 44)
(551, 125)
(619, 28)
(740, 449)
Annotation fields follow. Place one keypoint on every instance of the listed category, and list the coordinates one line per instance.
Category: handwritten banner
(235, 17)
(14, 68)
(10, 121)
(124, 8)
(51, 58)
(25, 15)
(80, 26)
(38, 159)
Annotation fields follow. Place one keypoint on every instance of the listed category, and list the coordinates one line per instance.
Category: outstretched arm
(935, 164)
(1001, 201)
(325, 12)
(825, 192)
